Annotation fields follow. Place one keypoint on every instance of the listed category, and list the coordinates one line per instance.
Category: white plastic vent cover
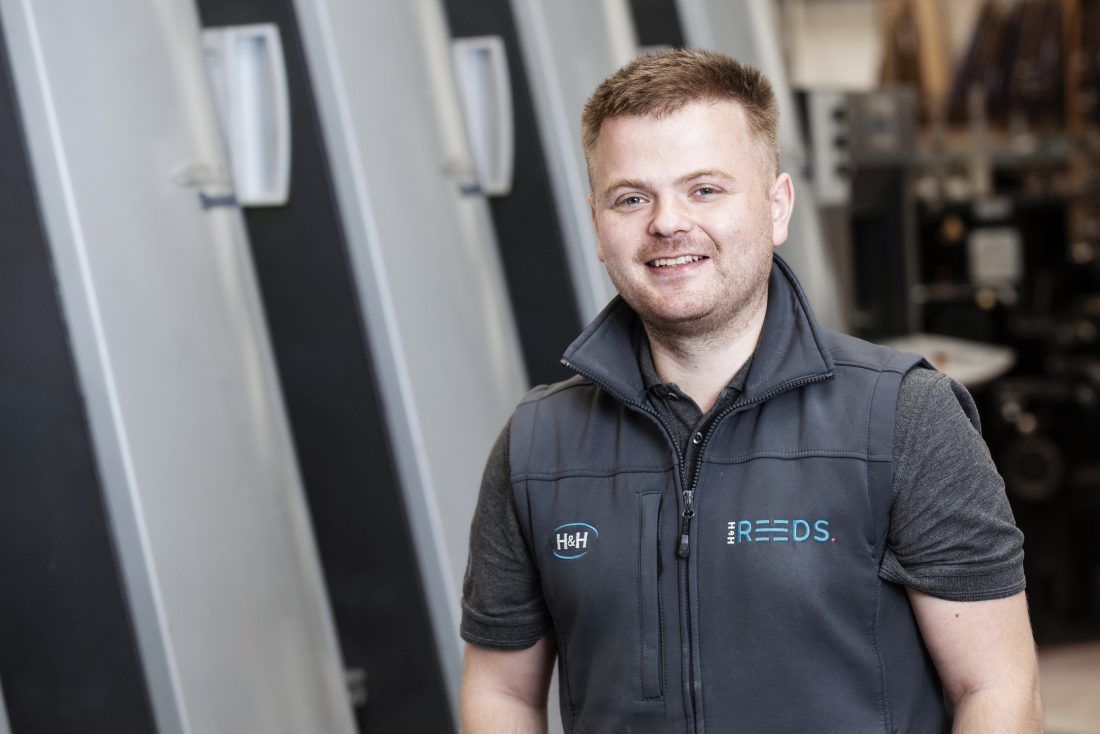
(246, 70)
(481, 71)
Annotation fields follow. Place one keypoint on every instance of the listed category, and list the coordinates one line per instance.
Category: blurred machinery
(861, 164)
(980, 247)
(1009, 218)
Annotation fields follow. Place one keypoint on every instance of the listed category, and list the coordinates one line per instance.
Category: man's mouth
(665, 262)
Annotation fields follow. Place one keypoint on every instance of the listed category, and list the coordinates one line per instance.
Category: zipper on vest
(685, 523)
(689, 512)
(737, 405)
(684, 549)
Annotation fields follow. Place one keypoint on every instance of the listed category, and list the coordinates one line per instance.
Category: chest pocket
(603, 566)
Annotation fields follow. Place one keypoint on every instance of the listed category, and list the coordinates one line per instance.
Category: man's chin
(683, 321)
(695, 319)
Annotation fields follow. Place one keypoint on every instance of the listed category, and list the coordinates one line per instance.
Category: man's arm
(985, 656)
(504, 691)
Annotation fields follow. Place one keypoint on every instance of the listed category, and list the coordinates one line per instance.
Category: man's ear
(782, 206)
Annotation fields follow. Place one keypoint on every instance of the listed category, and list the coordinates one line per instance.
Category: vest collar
(790, 352)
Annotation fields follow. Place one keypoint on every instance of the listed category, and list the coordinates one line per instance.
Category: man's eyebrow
(706, 173)
(630, 183)
(624, 183)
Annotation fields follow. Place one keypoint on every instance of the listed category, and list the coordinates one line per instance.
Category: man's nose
(669, 218)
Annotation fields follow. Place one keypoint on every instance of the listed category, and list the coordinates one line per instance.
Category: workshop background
(273, 274)
(954, 155)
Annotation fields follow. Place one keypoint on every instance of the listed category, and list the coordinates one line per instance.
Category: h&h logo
(573, 540)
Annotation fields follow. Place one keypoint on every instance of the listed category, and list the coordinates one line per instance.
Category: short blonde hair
(662, 83)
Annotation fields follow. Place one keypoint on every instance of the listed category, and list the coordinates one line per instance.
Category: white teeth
(682, 260)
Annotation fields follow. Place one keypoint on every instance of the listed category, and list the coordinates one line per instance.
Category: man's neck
(701, 366)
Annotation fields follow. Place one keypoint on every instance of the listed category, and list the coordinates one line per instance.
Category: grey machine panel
(526, 221)
(425, 263)
(569, 47)
(68, 648)
(327, 375)
(190, 436)
(5, 728)
(749, 31)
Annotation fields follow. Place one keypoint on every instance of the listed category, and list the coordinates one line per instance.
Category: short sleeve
(502, 603)
(952, 534)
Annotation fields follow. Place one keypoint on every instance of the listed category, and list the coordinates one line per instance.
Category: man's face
(687, 212)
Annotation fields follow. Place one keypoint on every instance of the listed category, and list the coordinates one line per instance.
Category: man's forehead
(708, 123)
(676, 145)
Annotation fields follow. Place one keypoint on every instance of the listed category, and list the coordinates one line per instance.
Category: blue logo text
(777, 531)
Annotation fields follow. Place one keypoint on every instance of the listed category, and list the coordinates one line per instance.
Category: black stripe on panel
(68, 652)
(526, 222)
(331, 394)
(657, 23)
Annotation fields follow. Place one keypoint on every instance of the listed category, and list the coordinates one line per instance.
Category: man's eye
(632, 200)
(705, 191)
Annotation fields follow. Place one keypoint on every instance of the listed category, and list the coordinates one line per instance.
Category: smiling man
(732, 519)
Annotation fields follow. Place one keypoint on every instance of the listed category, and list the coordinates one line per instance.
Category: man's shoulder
(852, 352)
(552, 429)
(930, 396)
(923, 391)
(560, 403)
(566, 389)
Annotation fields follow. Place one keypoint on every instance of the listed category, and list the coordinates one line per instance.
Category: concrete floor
(1070, 678)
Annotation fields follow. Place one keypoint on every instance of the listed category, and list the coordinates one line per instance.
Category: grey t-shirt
(952, 534)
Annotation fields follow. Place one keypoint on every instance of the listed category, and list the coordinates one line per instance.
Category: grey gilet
(745, 598)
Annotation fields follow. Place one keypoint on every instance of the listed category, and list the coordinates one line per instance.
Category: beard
(710, 310)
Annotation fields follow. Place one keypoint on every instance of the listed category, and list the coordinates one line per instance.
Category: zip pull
(683, 551)
(685, 526)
